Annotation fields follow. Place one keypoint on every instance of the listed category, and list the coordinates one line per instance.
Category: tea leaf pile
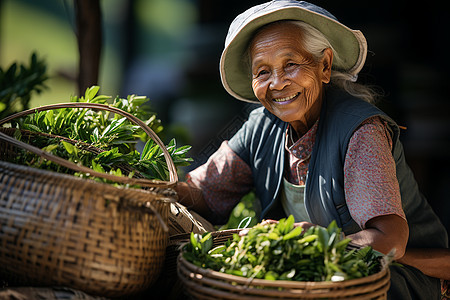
(284, 252)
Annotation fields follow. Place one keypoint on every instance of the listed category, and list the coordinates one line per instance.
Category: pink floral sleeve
(370, 182)
(224, 179)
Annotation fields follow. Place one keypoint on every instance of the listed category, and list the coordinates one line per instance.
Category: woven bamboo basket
(47, 293)
(200, 283)
(58, 229)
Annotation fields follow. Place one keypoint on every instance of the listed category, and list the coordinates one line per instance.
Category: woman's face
(287, 79)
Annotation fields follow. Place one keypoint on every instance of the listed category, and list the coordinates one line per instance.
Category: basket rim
(197, 284)
(215, 234)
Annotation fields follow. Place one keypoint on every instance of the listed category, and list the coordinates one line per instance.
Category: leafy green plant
(18, 82)
(284, 252)
(112, 134)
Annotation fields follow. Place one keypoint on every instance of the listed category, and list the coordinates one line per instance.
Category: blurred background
(168, 50)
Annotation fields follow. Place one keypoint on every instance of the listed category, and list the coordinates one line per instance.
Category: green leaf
(332, 227)
(60, 120)
(194, 241)
(234, 272)
(323, 238)
(205, 237)
(362, 253)
(32, 127)
(245, 222)
(332, 240)
(343, 244)
(98, 167)
(49, 118)
(333, 267)
(94, 136)
(281, 225)
(113, 127)
(116, 172)
(288, 224)
(217, 250)
(207, 242)
(273, 236)
(182, 150)
(91, 92)
(271, 275)
(102, 99)
(293, 233)
(308, 239)
(71, 149)
(50, 148)
(288, 275)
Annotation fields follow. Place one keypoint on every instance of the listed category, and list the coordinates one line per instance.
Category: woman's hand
(304, 224)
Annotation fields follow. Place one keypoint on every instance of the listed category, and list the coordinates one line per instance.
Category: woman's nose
(279, 81)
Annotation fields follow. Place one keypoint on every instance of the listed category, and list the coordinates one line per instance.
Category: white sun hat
(350, 45)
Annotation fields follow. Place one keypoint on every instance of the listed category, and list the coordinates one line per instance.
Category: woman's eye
(291, 65)
(261, 73)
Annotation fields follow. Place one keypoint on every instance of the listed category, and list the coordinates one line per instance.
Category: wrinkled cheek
(311, 95)
(258, 90)
(313, 91)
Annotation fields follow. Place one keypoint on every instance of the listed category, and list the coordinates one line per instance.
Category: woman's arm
(192, 197)
(372, 191)
(384, 233)
(433, 262)
(213, 189)
(387, 232)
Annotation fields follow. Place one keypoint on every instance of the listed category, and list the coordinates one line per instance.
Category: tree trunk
(89, 36)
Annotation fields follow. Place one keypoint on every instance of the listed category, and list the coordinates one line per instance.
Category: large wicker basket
(202, 283)
(57, 229)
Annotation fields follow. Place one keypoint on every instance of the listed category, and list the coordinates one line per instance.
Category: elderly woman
(317, 148)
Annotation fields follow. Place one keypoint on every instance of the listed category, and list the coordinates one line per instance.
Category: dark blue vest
(260, 143)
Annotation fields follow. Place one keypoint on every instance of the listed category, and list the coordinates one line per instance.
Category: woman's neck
(303, 125)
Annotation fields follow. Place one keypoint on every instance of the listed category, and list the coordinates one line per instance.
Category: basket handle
(173, 176)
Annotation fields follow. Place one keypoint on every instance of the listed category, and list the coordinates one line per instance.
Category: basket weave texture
(58, 229)
(200, 283)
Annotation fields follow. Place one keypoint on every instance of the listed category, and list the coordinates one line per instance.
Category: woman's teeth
(285, 99)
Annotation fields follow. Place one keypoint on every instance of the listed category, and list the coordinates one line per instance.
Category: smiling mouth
(278, 100)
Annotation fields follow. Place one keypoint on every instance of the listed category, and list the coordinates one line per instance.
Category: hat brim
(234, 71)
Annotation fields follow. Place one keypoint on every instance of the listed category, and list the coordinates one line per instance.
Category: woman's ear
(326, 63)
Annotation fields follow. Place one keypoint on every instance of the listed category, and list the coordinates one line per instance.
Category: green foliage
(112, 133)
(244, 212)
(18, 82)
(152, 158)
(284, 252)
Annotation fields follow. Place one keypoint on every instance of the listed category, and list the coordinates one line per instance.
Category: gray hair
(315, 42)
